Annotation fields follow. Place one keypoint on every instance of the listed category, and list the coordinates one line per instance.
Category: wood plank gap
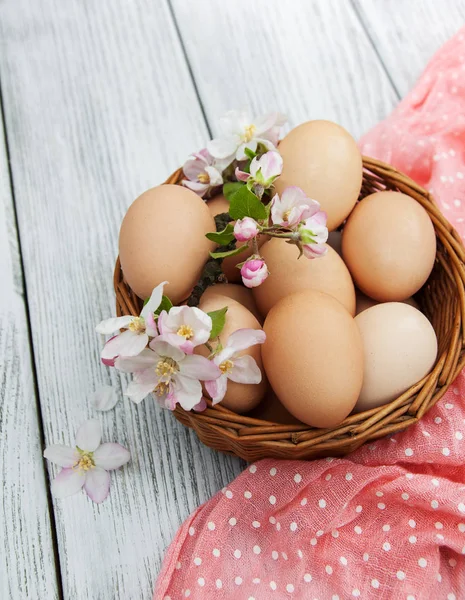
(375, 49)
(40, 422)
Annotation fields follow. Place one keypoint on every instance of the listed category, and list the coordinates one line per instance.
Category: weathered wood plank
(27, 564)
(309, 59)
(99, 106)
(407, 33)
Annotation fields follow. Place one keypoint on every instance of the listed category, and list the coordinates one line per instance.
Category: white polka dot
(319, 533)
(379, 494)
(211, 525)
(307, 577)
(410, 597)
(328, 476)
(274, 555)
(178, 565)
(458, 435)
(451, 596)
(187, 593)
(422, 562)
(366, 556)
(278, 526)
(273, 471)
(284, 555)
(412, 523)
(349, 476)
(445, 451)
(448, 405)
(238, 580)
(335, 597)
(297, 477)
(256, 524)
(191, 531)
(452, 562)
(408, 452)
(166, 597)
(251, 598)
(272, 520)
(272, 499)
(303, 502)
(437, 420)
(289, 588)
(247, 494)
(201, 581)
(313, 541)
(257, 549)
(461, 527)
(381, 506)
(273, 585)
(237, 553)
(356, 593)
(386, 527)
(329, 569)
(386, 546)
(435, 482)
(439, 536)
(232, 521)
(335, 533)
(343, 560)
(463, 550)
(358, 529)
(216, 552)
(375, 583)
(461, 507)
(253, 468)
(409, 475)
(322, 503)
(434, 504)
(293, 526)
(400, 575)
(438, 525)
(405, 496)
(413, 539)
(358, 509)
(229, 494)
(300, 554)
(197, 561)
(256, 580)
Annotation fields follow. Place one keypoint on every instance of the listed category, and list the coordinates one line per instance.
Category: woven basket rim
(252, 438)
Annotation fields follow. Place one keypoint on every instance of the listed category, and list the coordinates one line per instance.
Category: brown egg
(162, 238)
(322, 158)
(289, 274)
(218, 205)
(400, 348)
(389, 246)
(313, 357)
(363, 302)
(237, 292)
(240, 397)
(271, 409)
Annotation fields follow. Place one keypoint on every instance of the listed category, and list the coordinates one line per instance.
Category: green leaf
(166, 304)
(231, 188)
(218, 318)
(250, 153)
(246, 204)
(222, 238)
(229, 252)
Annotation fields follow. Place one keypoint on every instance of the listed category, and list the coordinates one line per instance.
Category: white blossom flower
(292, 207)
(233, 366)
(174, 377)
(184, 327)
(87, 465)
(203, 172)
(138, 330)
(313, 234)
(239, 132)
(263, 171)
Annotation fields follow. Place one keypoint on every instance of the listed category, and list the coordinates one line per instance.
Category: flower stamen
(203, 177)
(186, 332)
(85, 463)
(137, 325)
(249, 132)
(166, 368)
(226, 366)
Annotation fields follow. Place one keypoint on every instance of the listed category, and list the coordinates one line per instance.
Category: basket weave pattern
(442, 300)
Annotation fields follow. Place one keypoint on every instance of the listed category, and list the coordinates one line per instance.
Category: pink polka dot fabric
(388, 521)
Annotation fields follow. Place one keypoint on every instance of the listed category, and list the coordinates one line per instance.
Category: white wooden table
(102, 99)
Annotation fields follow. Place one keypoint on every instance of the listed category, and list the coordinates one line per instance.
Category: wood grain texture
(406, 33)
(27, 564)
(308, 59)
(99, 106)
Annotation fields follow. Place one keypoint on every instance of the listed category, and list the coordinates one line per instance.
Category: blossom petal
(67, 483)
(111, 456)
(138, 390)
(223, 147)
(198, 188)
(97, 484)
(127, 343)
(264, 123)
(244, 338)
(192, 168)
(241, 175)
(131, 364)
(245, 370)
(111, 325)
(187, 392)
(201, 406)
(217, 388)
(88, 435)
(104, 398)
(154, 300)
(199, 367)
(164, 349)
(151, 326)
(240, 152)
(64, 456)
(215, 176)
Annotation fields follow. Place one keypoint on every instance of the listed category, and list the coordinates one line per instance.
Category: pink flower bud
(245, 229)
(254, 272)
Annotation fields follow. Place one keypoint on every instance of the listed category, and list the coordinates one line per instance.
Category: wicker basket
(442, 299)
